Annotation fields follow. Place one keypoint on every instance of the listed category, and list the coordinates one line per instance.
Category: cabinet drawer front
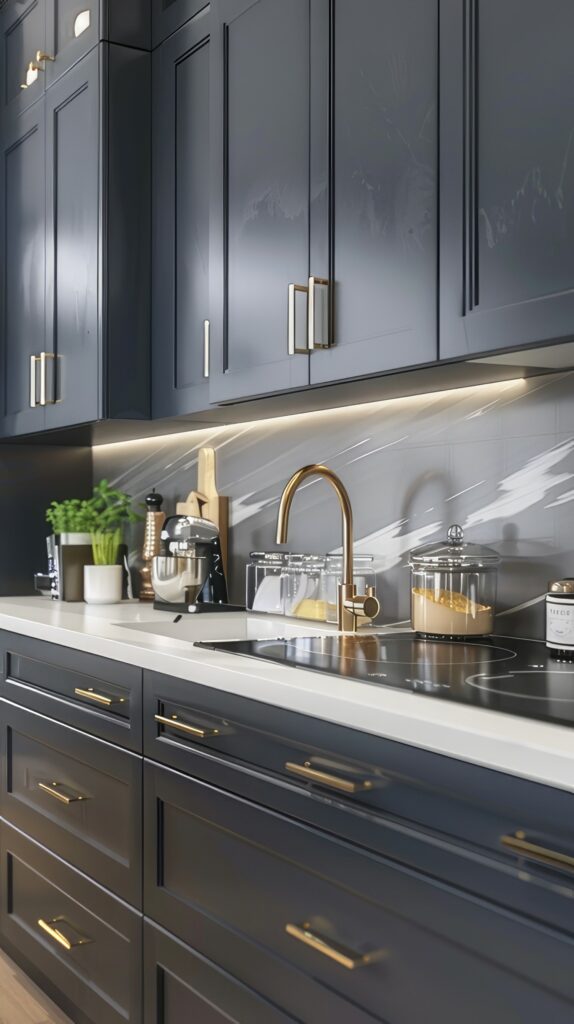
(354, 923)
(101, 697)
(374, 790)
(88, 944)
(181, 986)
(78, 795)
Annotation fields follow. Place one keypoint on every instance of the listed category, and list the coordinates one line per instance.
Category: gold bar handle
(58, 935)
(206, 326)
(58, 792)
(306, 771)
(98, 698)
(42, 57)
(311, 339)
(292, 348)
(340, 954)
(173, 722)
(519, 844)
(33, 361)
(44, 356)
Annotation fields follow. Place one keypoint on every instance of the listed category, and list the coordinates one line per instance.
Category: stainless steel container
(177, 579)
(453, 588)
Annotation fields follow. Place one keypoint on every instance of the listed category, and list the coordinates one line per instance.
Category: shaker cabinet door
(507, 192)
(22, 34)
(72, 244)
(72, 28)
(374, 186)
(22, 270)
(259, 98)
(180, 250)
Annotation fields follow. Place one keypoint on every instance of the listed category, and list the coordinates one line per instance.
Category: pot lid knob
(455, 535)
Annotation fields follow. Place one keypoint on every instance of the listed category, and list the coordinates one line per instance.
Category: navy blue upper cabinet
(22, 33)
(75, 247)
(324, 191)
(169, 15)
(41, 39)
(22, 267)
(180, 248)
(507, 190)
(259, 244)
(374, 186)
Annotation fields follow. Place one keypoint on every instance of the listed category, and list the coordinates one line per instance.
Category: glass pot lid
(454, 553)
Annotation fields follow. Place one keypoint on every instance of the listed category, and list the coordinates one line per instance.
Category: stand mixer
(189, 574)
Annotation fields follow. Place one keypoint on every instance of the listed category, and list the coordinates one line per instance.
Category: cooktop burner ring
(360, 644)
(493, 691)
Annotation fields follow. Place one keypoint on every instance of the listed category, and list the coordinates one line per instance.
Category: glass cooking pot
(453, 588)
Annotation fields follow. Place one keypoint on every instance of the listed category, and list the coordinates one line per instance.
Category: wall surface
(498, 459)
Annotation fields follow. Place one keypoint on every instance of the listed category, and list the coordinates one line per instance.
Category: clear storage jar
(265, 582)
(304, 597)
(453, 588)
(363, 577)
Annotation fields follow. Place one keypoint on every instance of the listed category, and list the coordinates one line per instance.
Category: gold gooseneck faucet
(352, 608)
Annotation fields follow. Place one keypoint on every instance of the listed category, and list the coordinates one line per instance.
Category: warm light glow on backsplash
(201, 433)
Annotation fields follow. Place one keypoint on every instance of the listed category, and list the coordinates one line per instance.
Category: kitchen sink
(222, 626)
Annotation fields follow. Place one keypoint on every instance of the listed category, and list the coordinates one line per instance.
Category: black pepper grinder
(154, 521)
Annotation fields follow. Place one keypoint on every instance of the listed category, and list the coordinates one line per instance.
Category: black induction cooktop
(517, 677)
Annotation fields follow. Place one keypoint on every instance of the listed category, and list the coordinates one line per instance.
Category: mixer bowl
(177, 579)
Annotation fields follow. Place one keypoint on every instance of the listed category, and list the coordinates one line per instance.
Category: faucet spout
(352, 608)
(344, 501)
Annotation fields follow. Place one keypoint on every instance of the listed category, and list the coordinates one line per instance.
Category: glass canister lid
(454, 553)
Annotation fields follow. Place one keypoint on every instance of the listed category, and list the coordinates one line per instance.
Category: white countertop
(520, 746)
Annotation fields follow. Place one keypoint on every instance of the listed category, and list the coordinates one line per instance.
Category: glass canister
(453, 588)
(363, 577)
(265, 582)
(303, 585)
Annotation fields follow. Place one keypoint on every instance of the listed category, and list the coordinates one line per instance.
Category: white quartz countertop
(128, 632)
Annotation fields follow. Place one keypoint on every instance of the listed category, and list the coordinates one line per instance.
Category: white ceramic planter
(103, 584)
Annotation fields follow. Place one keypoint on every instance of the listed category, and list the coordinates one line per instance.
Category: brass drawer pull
(58, 792)
(98, 698)
(306, 771)
(340, 954)
(519, 844)
(58, 935)
(173, 722)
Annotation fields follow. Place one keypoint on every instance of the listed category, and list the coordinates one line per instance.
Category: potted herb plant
(109, 510)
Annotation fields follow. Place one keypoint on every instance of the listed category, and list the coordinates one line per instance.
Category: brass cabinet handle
(42, 57)
(306, 771)
(192, 730)
(519, 844)
(44, 356)
(58, 792)
(291, 321)
(340, 954)
(31, 75)
(33, 361)
(58, 935)
(206, 348)
(311, 340)
(98, 698)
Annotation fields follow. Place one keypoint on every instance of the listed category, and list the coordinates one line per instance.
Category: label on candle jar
(560, 622)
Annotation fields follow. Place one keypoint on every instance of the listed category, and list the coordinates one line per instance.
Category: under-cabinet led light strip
(349, 410)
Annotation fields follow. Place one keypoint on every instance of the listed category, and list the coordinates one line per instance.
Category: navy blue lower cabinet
(364, 938)
(181, 986)
(443, 817)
